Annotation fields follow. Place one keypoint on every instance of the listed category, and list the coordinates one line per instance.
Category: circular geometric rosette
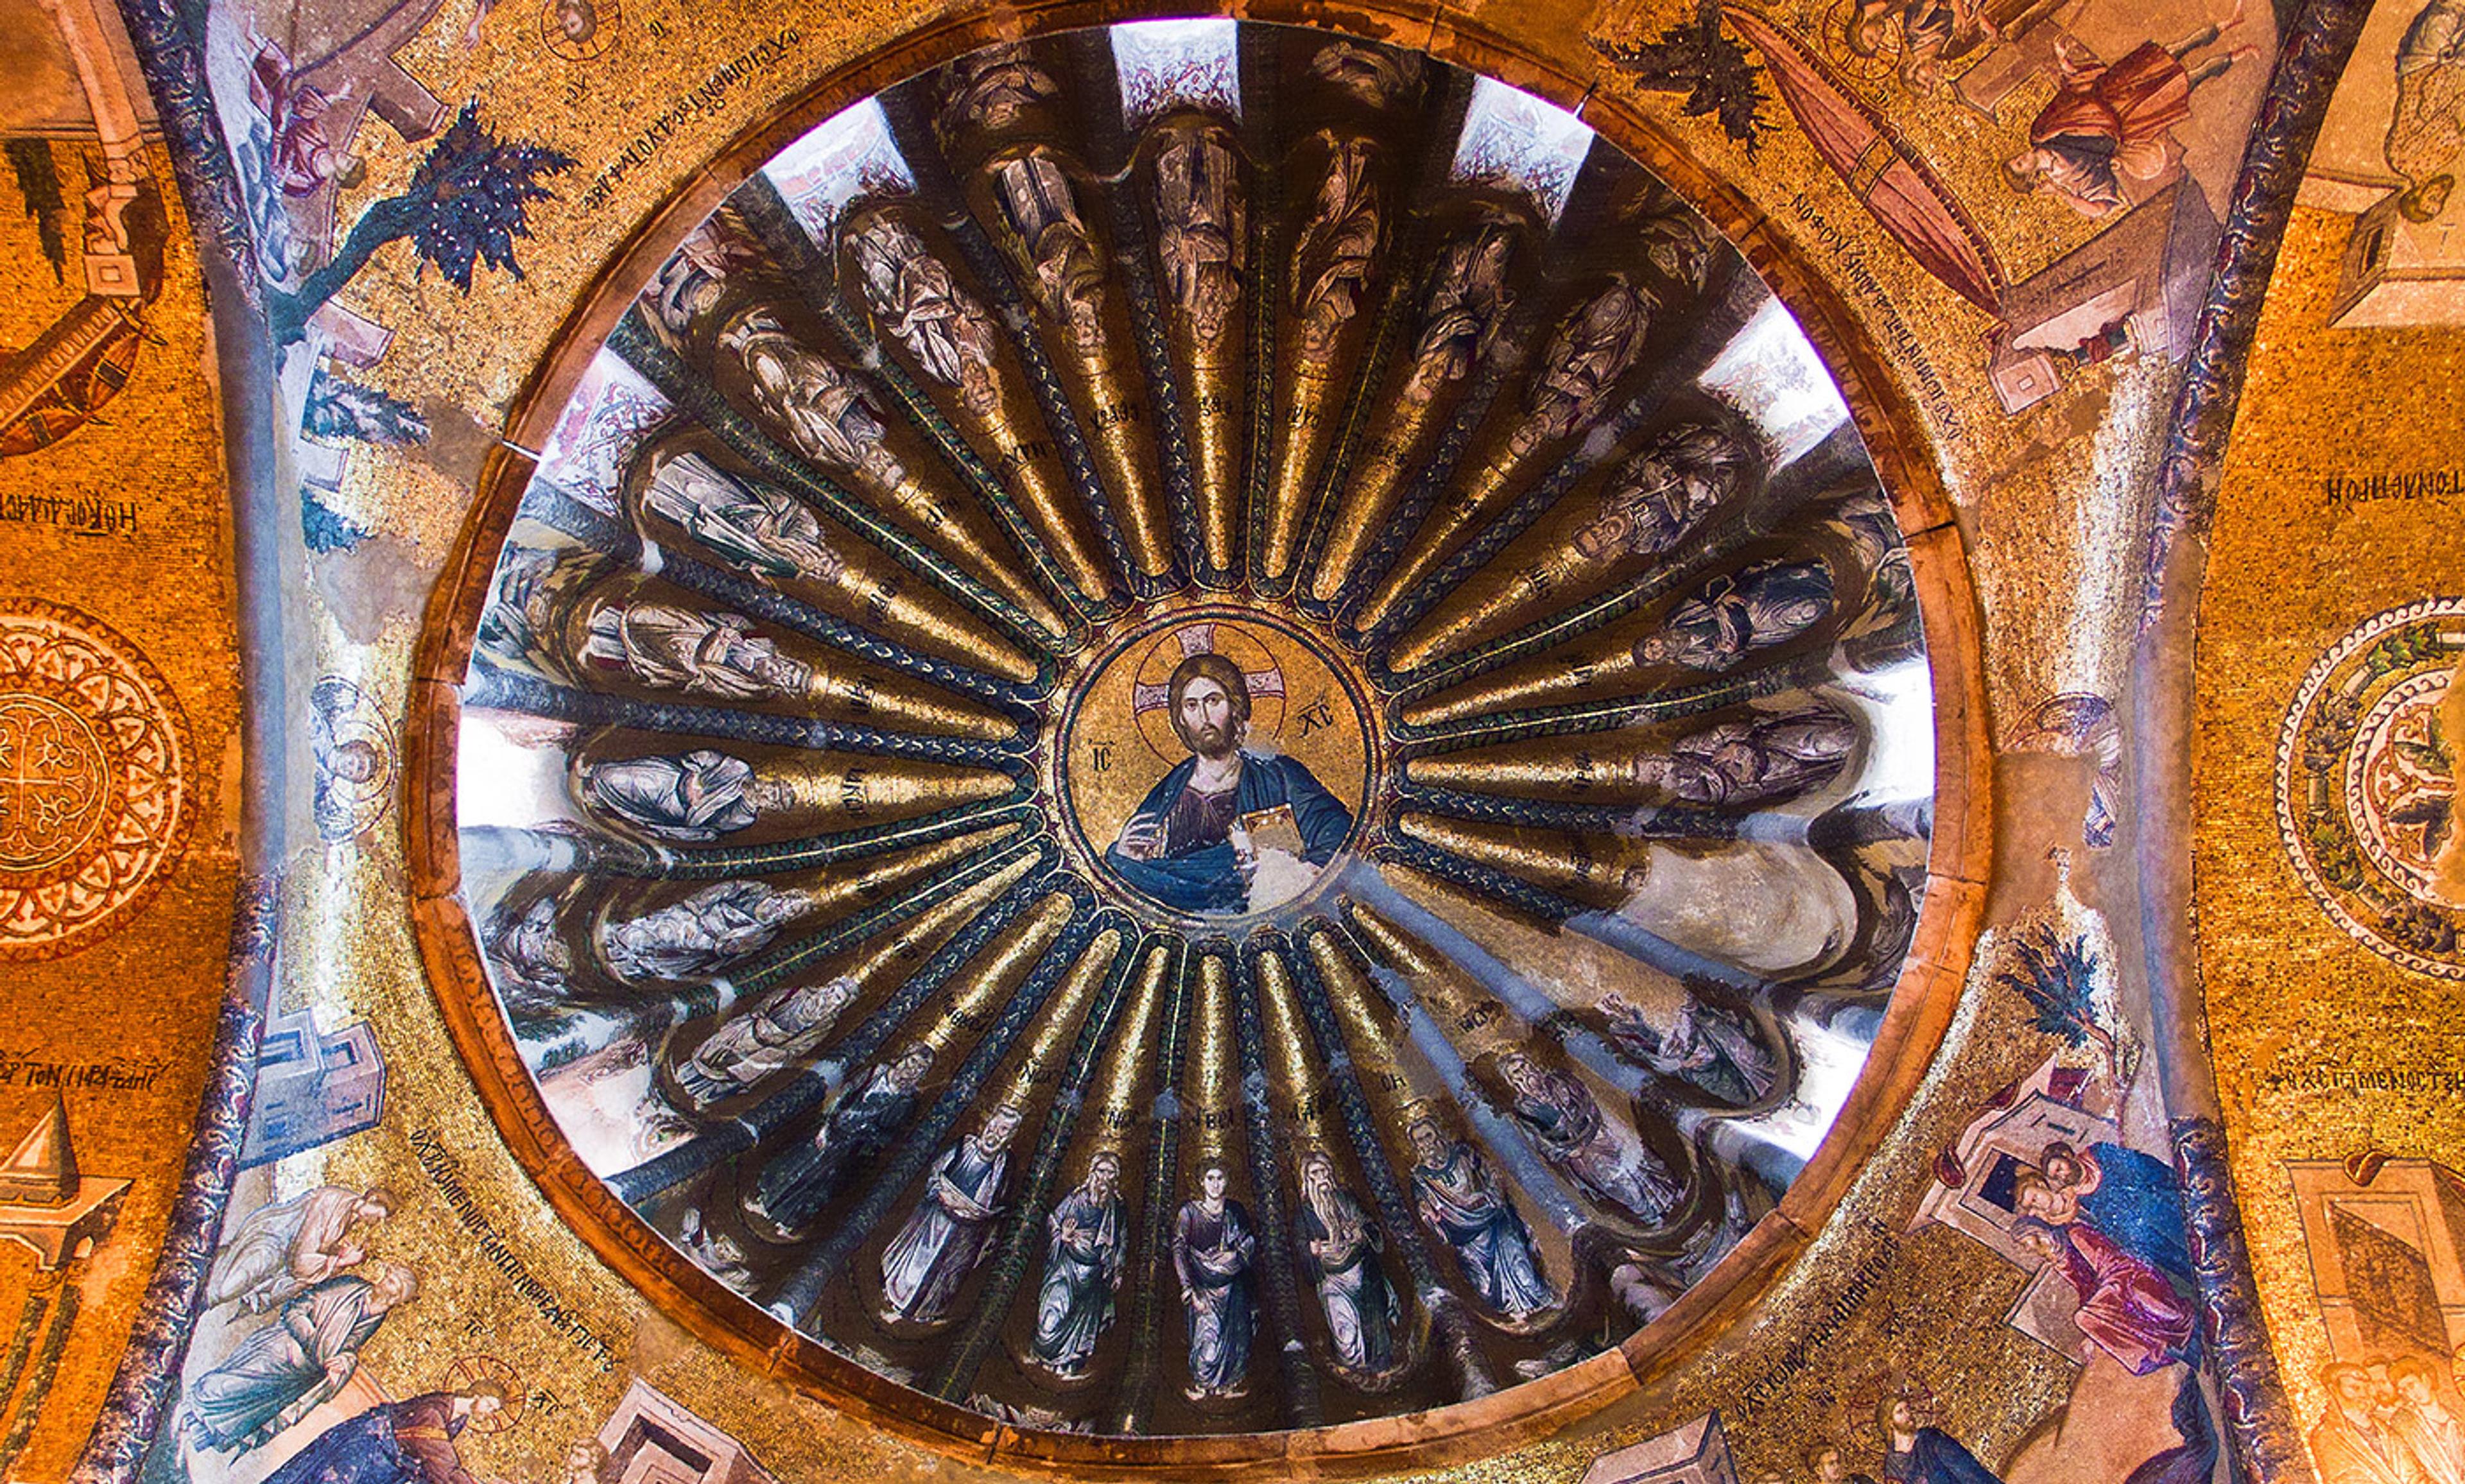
(1196, 729)
(2366, 783)
(93, 788)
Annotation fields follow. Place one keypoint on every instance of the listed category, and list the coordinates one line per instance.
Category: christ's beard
(1214, 744)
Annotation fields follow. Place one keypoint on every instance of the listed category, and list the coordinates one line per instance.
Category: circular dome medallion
(1216, 761)
(2367, 785)
(1195, 729)
(92, 786)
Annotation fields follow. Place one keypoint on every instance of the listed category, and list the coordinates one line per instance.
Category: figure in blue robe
(277, 1374)
(1914, 1454)
(1178, 848)
(2132, 1199)
(394, 1443)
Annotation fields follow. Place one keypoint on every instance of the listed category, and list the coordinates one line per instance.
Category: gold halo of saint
(1216, 765)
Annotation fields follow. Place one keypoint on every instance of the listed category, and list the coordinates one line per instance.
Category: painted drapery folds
(1005, 797)
(1553, 742)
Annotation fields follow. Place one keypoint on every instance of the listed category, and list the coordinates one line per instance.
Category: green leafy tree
(465, 206)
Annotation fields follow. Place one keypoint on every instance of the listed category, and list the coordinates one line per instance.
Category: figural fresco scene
(1598, 742)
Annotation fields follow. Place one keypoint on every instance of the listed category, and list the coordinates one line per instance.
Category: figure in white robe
(763, 1040)
(750, 527)
(281, 1250)
(946, 1234)
(707, 932)
(695, 796)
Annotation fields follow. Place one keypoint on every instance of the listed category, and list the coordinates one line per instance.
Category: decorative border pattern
(2317, 749)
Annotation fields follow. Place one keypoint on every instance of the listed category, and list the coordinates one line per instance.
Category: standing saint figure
(1737, 612)
(279, 1374)
(794, 1185)
(703, 934)
(669, 647)
(946, 1234)
(1339, 241)
(396, 1442)
(2127, 1309)
(1213, 1247)
(917, 302)
(1461, 1203)
(2106, 122)
(1179, 848)
(695, 796)
(751, 528)
(1201, 234)
(821, 408)
(1082, 1270)
(1344, 1244)
(1768, 758)
(1602, 1155)
(763, 1040)
(281, 1250)
(1713, 1049)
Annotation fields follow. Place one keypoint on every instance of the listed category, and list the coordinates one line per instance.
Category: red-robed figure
(2108, 122)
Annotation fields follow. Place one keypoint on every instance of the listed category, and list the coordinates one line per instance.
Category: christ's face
(1205, 717)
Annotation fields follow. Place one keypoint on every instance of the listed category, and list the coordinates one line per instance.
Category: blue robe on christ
(1209, 880)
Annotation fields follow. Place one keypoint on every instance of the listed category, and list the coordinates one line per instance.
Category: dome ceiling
(1197, 729)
